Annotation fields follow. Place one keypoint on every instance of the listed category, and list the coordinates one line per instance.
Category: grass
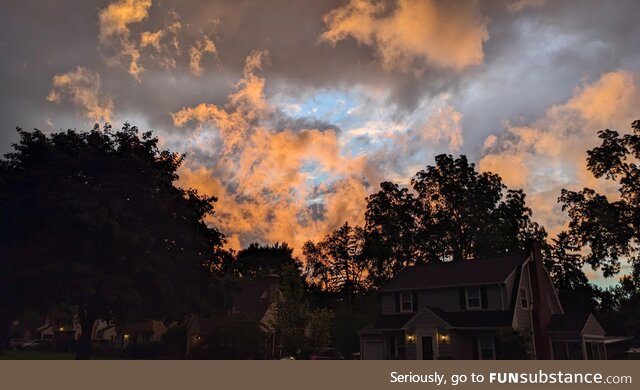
(37, 355)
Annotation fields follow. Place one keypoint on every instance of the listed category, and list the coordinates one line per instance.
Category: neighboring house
(138, 332)
(457, 310)
(102, 331)
(256, 298)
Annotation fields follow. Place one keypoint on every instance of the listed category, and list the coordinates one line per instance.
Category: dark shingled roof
(568, 322)
(475, 318)
(392, 321)
(251, 298)
(482, 271)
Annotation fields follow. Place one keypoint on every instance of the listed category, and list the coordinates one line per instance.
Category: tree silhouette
(610, 229)
(454, 213)
(94, 219)
(262, 260)
(337, 263)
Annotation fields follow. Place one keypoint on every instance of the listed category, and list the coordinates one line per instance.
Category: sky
(292, 112)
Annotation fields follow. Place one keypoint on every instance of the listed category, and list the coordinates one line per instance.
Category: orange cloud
(83, 88)
(120, 21)
(266, 177)
(413, 32)
(202, 47)
(114, 21)
(550, 154)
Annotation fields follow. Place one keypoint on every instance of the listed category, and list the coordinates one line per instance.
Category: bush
(174, 342)
(513, 345)
(147, 351)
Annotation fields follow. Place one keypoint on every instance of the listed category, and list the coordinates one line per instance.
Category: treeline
(95, 220)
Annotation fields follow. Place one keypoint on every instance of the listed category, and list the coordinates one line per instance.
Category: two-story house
(456, 310)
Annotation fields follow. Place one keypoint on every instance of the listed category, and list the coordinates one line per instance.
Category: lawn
(37, 355)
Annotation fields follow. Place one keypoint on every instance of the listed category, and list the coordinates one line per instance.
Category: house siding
(411, 351)
(388, 303)
(449, 299)
(593, 328)
(509, 288)
(523, 316)
(446, 299)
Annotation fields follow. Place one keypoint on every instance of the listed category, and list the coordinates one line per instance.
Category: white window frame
(493, 346)
(524, 299)
(402, 302)
(468, 297)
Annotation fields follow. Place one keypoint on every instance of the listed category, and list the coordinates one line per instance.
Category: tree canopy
(453, 213)
(609, 228)
(95, 219)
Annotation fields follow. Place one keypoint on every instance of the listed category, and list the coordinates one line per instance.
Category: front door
(427, 348)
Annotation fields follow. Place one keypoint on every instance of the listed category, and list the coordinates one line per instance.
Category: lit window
(524, 302)
(406, 301)
(473, 298)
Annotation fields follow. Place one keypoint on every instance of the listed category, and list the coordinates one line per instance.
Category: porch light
(410, 338)
(444, 338)
(62, 329)
(126, 336)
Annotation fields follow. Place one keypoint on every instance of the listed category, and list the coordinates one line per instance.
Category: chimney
(541, 300)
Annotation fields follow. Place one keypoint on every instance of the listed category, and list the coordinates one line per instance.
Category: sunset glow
(292, 112)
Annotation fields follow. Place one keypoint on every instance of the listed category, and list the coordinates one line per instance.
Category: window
(406, 301)
(524, 302)
(473, 298)
(595, 351)
(486, 348)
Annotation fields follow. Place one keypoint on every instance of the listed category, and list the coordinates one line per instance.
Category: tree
(94, 219)
(291, 311)
(391, 237)
(565, 268)
(453, 213)
(337, 263)
(610, 229)
(469, 214)
(261, 260)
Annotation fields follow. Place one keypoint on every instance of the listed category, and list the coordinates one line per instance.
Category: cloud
(550, 153)
(116, 18)
(201, 47)
(148, 38)
(269, 179)
(412, 33)
(83, 88)
(519, 5)
(121, 20)
(114, 21)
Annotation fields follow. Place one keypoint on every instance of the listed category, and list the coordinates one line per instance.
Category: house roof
(462, 319)
(475, 318)
(569, 322)
(481, 271)
(252, 298)
(392, 321)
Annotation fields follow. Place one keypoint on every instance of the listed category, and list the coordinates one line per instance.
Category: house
(460, 309)
(256, 298)
(138, 332)
(65, 331)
